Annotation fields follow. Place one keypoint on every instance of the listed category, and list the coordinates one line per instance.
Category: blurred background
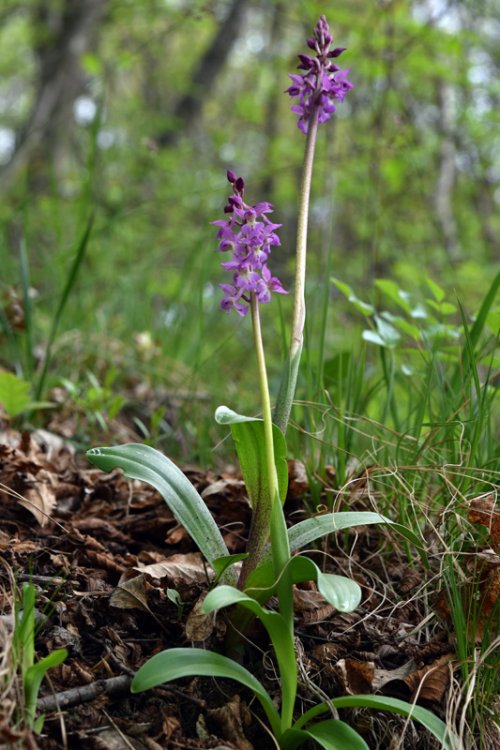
(118, 121)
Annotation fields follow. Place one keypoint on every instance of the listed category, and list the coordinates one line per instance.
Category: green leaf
(308, 531)
(403, 325)
(372, 337)
(191, 662)
(248, 436)
(342, 593)
(311, 529)
(389, 335)
(33, 679)
(279, 633)
(436, 290)
(472, 336)
(447, 738)
(14, 394)
(221, 564)
(149, 465)
(397, 295)
(24, 634)
(346, 290)
(443, 308)
(331, 734)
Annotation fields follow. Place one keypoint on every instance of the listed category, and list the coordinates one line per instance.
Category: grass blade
(70, 282)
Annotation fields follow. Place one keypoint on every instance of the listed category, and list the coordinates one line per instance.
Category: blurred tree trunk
(447, 170)
(62, 32)
(188, 109)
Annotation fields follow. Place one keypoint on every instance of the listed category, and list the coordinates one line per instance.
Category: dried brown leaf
(39, 500)
(199, 626)
(431, 682)
(356, 676)
(180, 570)
(230, 720)
(311, 605)
(484, 511)
(130, 594)
(298, 482)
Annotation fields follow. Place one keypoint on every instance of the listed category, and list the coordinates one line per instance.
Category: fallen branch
(84, 694)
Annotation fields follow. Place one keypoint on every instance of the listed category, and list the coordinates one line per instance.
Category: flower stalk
(318, 88)
(289, 376)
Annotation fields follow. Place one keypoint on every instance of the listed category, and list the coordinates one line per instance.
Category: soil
(106, 558)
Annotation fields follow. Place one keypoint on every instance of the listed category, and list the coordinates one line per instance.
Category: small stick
(83, 694)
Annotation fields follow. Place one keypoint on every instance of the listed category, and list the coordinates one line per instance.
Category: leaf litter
(117, 580)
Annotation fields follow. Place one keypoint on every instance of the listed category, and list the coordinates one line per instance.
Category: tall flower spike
(322, 83)
(249, 235)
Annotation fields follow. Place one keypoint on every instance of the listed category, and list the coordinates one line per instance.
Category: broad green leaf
(443, 308)
(248, 436)
(397, 295)
(279, 633)
(346, 290)
(447, 738)
(308, 531)
(387, 332)
(436, 290)
(15, 394)
(191, 662)
(342, 593)
(149, 465)
(403, 325)
(331, 734)
(372, 337)
(221, 564)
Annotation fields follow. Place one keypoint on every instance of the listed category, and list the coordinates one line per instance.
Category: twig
(84, 693)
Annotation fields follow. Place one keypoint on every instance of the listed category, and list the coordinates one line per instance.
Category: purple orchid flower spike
(322, 83)
(249, 235)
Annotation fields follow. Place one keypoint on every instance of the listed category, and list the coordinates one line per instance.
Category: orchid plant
(269, 566)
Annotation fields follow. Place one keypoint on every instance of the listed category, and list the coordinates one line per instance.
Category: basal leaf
(342, 593)
(191, 662)
(447, 738)
(279, 633)
(149, 465)
(331, 734)
(308, 531)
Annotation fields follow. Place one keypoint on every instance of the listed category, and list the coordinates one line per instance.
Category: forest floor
(106, 557)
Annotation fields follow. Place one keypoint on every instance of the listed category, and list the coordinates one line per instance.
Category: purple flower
(249, 235)
(322, 82)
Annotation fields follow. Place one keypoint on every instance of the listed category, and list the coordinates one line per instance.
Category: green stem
(290, 372)
(274, 516)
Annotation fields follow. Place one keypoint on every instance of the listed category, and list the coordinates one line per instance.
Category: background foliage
(133, 111)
